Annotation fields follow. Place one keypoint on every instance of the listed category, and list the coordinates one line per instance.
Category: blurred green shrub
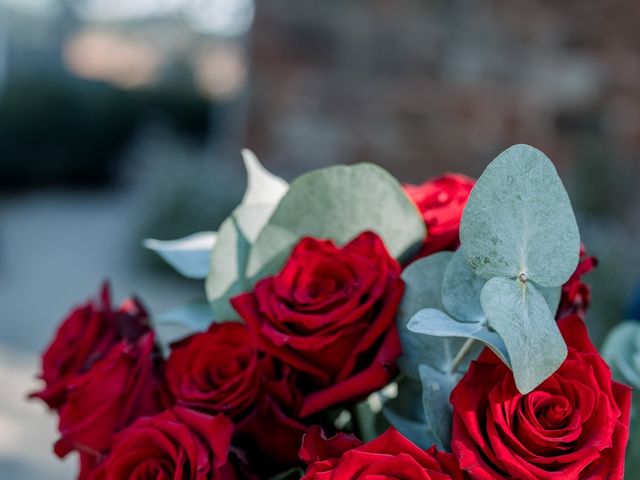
(72, 132)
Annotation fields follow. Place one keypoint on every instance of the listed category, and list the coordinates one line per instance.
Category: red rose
(178, 444)
(85, 336)
(576, 295)
(329, 314)
(441, 202)
(216, 371)
(113, 393)
(389, 456)
(573, 426)
(221, 371)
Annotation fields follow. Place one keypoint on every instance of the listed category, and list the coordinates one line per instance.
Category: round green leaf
(520, 315)
(461, 290)
(621, 350)
(552, 296)
(338, 203)
(519, 220)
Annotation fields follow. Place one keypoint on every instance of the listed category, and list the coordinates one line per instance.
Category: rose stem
(455, 363)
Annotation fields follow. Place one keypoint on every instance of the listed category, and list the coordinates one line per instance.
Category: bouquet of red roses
(354, 328)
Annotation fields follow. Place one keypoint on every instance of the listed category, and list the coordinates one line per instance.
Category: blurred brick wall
(425, 86)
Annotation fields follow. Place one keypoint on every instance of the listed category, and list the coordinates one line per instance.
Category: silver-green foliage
(520, 243)
(188, 255)
(338, 203)
(518, 230)
(519, 313)
(621, 350)
(425, 420)
(519, 219)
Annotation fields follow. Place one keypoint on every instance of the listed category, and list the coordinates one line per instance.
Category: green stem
(455, 363)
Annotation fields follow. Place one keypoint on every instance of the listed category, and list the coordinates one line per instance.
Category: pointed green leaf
(431, 322)
(263, 187)
(238, 232)
(229, 257)
(436, 389)
(423, 281)
(189, 255)
(519, 220)
(520, 315)
(338, 203)
(461, 290)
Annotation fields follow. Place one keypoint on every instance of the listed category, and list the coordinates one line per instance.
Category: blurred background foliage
(124, 119)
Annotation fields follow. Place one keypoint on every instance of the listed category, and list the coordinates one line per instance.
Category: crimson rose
(573, 426)
(178, 444)
(389, 456)
(576, 295)
(329, 314)
(441, 202)
(115, 391)
(215, 371)
(221, 371)
(84, 337)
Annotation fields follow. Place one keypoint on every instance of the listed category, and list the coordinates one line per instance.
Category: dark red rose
(177, 444)
(389, 456)
(573, 426)
(576, 295)
(221, 371)
(115, 391)
(441, 202)
(84, 337)
(215, 371)
(329, 315)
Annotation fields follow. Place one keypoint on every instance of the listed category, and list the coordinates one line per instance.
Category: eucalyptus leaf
(189, 255)
(519, 219)
(237, 233)
(182, 321)
(229, 258)
(406, 413)
(552, 296)
(461, 290)
(423, 281)
(431, 322)
(621, 350)
(436, 389)
(520, 315)
(338, 203)
(193, 316)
